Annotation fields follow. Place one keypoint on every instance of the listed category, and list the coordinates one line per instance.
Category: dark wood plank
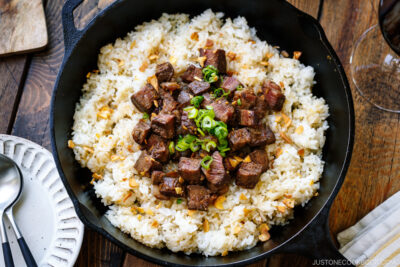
(12, 71)
(374, 169)
(32, 122)
(96, 251)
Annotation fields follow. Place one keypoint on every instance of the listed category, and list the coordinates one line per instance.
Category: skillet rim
(350, 142)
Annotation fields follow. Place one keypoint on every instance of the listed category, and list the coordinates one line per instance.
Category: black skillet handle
(315, 242)
(71, 33)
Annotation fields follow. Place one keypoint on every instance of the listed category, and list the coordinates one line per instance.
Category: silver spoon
(11, 184)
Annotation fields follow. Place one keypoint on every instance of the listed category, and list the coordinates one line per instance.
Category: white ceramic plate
(44, 213)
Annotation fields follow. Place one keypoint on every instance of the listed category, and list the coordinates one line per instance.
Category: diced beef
(239, 138)
(171, 187)
(184, 98)
(207, 100)
(199, 87)
(223, 110)
(157, 193)
(158, 148)
(169, 104)
(260, 157)
(230, 84)
(189, 75)
(215, 58)
(163, 125)
(248, 174)
(247, 117)
(216, 174)
(157, 177)
(261, 107)
(261, 136)
(273, 95)
(164, 72)
(198, 197)
(145, 164)
(247, 99)
(178, 154)
(144, 98)
(170, 86)
(141, 131)
(187, 125)
(189, 170)
(220, 190)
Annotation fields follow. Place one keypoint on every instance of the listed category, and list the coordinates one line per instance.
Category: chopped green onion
(208, 123)
(185, 142)
(218, 93)
(221, 132)
(208, 146)
(239, 102)
(179, 201)
(196, 101)
(239, 87)
(193, 113)
(206, 162)
(194, 146)
(171, 147)
(200, 131)
(145, 116)
(210, 74)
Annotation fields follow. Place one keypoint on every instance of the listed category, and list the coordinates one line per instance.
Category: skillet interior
(276, 22)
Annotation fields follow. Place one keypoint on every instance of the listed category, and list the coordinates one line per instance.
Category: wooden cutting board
(22, 26)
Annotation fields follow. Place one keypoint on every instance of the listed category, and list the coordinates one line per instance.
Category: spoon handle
(26, 252)
(8, 259)
(29, 260)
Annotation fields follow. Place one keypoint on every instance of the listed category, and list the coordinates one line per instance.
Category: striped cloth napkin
(375, 239)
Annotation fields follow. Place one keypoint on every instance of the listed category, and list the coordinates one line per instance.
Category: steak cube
(198, 197)
(141, 131)
(216, 174)
(220, 190)
(199, 87)
(157, 193)
(223, 111)
(215, 58)
(163, 125)
(261, 136)
(248, 174)
(247, 99)
(145, 164)
(230, 84)
(261, 107)
(188, 125)
(189, 75)
(273, 95)
(239, 138)
(158, 148)
(157, 177)
(171, 187)
(189, 170)
(144, 98)
(247, 117)
(207, 101)
(164, 72)
(169, 104)
(260, 157)
(184, 98)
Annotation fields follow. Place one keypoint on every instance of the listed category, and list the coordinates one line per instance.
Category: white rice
(166, 223)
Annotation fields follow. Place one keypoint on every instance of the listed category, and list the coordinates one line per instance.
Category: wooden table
(26, 84)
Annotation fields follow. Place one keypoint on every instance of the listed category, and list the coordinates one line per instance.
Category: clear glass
(375, 69)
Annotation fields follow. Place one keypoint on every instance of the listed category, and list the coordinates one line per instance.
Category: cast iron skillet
(277, 22)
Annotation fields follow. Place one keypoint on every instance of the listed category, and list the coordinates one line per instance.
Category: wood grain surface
(26, 83)
(22, 26)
